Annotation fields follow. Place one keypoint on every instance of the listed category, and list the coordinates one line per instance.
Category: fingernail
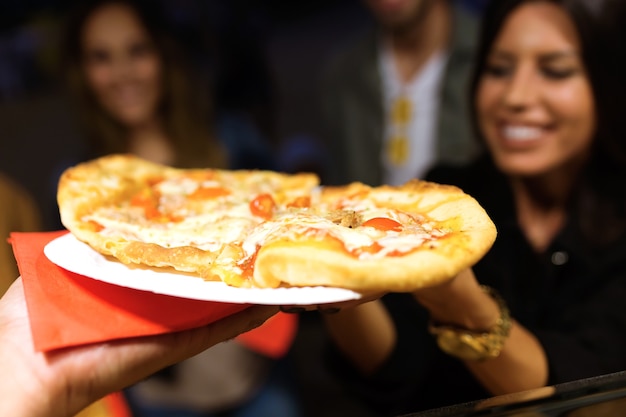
(329, 310)
(292, 310)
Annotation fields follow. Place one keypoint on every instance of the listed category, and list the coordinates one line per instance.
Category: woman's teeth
(521, 133)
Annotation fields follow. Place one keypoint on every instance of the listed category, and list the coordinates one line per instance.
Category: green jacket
(352, 106)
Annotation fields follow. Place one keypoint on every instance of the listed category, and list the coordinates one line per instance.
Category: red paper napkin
(68, 309)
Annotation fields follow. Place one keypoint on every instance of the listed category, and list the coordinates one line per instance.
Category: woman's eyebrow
(559, 55)
(504, 53)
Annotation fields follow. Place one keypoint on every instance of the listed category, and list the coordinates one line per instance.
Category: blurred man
(395, 102)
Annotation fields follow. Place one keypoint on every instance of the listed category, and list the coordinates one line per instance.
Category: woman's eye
(140, 49)
(497, 70)
(97, 57)
(558, 73)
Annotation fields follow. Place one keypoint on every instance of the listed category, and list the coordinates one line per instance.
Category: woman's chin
(522, 167)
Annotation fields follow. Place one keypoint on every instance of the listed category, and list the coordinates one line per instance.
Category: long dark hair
(600, 198)
(184, 110)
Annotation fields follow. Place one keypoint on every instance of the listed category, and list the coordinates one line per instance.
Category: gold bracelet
(475, 346)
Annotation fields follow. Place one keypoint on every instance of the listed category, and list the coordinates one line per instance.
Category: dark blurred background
(270, 52)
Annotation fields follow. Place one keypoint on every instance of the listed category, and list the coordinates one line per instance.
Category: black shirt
(572, 298)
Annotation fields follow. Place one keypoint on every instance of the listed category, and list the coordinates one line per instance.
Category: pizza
(255, 228)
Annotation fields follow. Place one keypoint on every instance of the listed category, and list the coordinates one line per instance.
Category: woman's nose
(522, 89)
(123, 68)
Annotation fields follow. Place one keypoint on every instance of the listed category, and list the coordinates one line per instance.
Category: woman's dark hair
(184, 110)
(601, 27)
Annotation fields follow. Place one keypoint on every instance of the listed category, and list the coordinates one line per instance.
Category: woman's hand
(361, 329)
(63, 382)
(460, 302)
(331, 308)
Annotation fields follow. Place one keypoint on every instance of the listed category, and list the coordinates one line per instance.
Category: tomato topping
(373, 248)
(174, 218)
(159, 217)
(203, 193)
(383, 223)
(247, 266)
(263, 206)
(148, 199)
(152, 212)
(152, 181)
(300, 202)
(94, 226)
(142, 198)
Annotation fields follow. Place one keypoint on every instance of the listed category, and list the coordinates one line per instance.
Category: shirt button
(559, 258)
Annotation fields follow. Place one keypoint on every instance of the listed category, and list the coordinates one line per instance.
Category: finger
(130, 360)
(295, 309)
(204, 337)
(331, 308)
(242, 322)
(328, 309)
(322, 308)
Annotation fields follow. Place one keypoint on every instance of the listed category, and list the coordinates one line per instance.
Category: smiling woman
(122, 65)
(548, 97)
(139, 95)
(135, 90)
(535, 101)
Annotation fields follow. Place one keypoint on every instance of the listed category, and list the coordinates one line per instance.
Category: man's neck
(412, 48)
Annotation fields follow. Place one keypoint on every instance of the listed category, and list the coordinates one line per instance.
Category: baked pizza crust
(102, 182)
(113, 179)
(471, 234)
(294, 261)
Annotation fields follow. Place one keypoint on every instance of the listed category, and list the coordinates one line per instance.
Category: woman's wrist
(461, 303)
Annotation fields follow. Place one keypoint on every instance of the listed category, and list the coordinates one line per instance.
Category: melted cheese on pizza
(291, 225)
(217, 215)
(252, 228)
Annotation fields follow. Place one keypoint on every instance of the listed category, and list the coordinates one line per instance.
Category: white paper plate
(75, 256)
